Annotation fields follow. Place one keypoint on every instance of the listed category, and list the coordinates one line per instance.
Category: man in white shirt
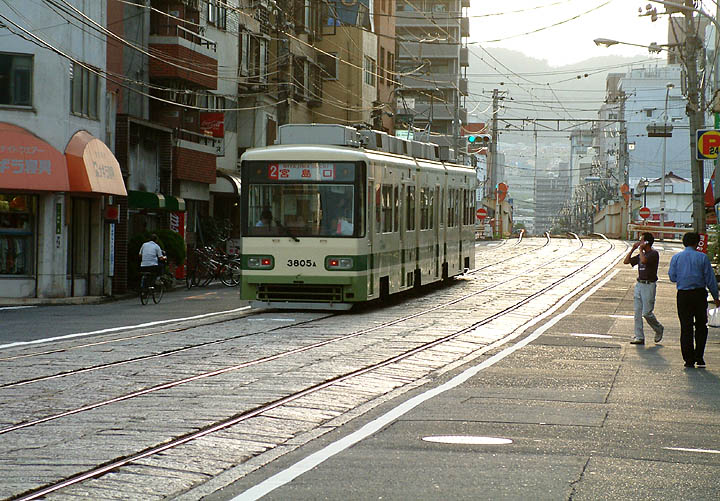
(150, 256)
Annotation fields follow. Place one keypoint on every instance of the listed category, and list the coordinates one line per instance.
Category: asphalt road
(29, 323)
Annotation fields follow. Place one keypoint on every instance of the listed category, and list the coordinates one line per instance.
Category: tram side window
(470, 208)
(464, 206)
(451, 208)
(378, 208)
(387, 208)
(442, 208)
(396, 212)
(410, 208)
(431, 208)
(425, 208)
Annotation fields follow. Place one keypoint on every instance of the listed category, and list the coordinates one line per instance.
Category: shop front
(95, 181)
(225, 207)
(54, 241)
(33, 183)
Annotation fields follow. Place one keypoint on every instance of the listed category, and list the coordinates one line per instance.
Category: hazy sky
(571, 41)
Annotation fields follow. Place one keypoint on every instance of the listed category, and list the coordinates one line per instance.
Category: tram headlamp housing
(260, 262)
(339, 263)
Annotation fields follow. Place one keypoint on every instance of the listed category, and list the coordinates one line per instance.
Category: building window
(329, 65)
(17, 233)
(85, 86)
(369, 67)
(391, 67)
(381, 66)
(217, 13)
(244, 49)
(16, 80)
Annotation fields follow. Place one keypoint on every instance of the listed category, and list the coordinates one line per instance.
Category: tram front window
(318, 210)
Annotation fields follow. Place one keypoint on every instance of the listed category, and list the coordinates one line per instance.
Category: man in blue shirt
(692, 273)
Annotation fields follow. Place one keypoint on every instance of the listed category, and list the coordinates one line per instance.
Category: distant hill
(535, 89)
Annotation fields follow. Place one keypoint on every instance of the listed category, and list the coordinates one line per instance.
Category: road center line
(118, 329)
(304, 465)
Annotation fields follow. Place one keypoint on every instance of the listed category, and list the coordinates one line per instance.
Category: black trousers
(692, 310)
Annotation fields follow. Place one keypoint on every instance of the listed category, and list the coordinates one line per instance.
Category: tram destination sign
(304, 172)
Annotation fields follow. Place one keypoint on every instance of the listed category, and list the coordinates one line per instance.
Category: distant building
(432, 56)
(551, 194)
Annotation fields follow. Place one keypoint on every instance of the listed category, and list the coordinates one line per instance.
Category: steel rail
(280, 355)
(112, 465)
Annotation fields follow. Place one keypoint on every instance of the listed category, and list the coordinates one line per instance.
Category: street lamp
(668, 86)
(608, 42)
(645, 182)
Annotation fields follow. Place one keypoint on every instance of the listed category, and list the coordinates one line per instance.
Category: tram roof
(329, 153)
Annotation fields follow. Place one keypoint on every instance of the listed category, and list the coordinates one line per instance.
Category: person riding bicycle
(151, 256)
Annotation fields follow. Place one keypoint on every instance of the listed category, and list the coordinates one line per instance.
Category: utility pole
(623, 166)
(695, 112)
(696, 119)
(492, 176)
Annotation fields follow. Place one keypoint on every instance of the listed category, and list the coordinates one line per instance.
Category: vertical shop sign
(177, 224)
(111, 254)
(58, 225)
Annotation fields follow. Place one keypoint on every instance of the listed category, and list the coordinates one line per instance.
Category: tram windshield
(302, 209)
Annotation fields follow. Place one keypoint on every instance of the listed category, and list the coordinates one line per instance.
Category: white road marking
(603, 336)
(622, 316)
(118, 329)
(468, 440)
(313, 460)
(683, 449)
(15, 307)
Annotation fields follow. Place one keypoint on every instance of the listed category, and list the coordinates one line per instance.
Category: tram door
(436, 218)
(371, 234)
(399, 196)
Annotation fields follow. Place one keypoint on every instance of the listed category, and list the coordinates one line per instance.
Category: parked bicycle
(207, 264)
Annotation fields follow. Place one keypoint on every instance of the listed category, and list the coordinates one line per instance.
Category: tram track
(225, 340)
(172, 384)
(248, 414)
(186, 328)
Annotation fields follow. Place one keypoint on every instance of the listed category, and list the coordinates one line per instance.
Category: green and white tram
(328, 222)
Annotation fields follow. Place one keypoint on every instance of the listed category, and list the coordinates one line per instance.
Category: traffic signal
(479, 139)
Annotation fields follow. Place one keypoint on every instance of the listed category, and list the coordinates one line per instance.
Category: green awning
(176, 204)
(145, 200)
(157, 201)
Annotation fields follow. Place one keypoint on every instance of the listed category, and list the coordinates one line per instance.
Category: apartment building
(59, 180)
(432, 58)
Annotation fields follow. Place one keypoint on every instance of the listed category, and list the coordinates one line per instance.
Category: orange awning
(92, 168)
(28, 163)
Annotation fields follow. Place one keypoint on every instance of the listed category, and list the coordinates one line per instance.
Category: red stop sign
(481, 213)
(644, 213)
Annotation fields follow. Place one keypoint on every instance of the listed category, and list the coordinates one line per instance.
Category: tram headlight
(339, 263)
(260, 262)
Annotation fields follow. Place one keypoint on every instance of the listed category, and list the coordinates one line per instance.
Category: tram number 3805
(301, 262)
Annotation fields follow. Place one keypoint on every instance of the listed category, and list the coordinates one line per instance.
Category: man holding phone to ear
(647, 260)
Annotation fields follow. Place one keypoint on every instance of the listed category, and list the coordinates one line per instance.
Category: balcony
(440, 111)
(463, 87)
(464, 26)
(194, 156)
(464, 56)
(190, 57)
(435, 20)
(428, 50)
(431, 81)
